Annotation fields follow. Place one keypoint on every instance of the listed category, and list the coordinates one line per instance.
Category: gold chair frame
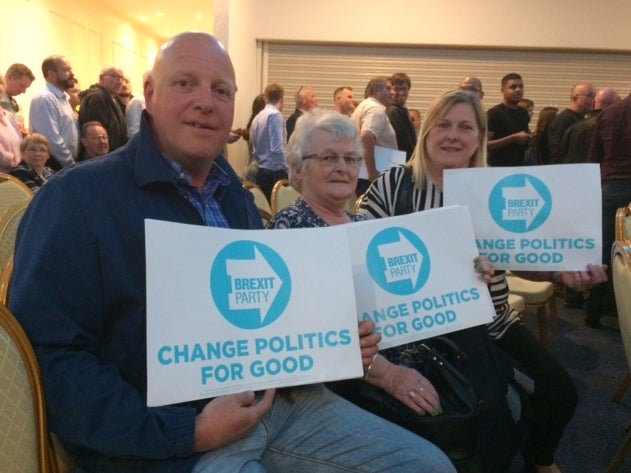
(17, 337)
(621, 264)
(281, 187)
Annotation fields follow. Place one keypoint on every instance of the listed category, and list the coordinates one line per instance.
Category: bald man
(306, 100)
(87, 317)
(577, 138)
(472, 84)
(581, 103)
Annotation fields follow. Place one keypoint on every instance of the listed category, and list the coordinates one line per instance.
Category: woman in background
(32, 170)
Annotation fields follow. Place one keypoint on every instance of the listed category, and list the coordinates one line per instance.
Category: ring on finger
(412, 394)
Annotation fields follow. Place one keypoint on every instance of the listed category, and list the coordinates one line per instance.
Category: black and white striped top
(381, 201)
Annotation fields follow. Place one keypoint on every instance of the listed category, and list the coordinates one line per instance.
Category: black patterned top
(300, 215)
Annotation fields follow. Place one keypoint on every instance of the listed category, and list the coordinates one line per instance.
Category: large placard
(543, 218)
(233, 310)
(414, 275)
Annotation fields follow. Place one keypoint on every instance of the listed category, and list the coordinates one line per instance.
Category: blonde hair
(35, 138)
(435, 113)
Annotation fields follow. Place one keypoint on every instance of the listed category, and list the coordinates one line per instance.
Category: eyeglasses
(333, 160)
(115, 76)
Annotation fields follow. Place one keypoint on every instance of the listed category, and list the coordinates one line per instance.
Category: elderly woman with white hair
(324, 155)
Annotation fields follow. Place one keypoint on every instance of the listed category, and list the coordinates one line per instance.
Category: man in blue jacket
(79, 292)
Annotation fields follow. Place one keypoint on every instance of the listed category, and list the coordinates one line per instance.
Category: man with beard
(508, 125)
(51, 113)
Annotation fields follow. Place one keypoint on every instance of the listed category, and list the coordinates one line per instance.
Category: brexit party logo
(250, 284)
(398, 261)
(520, 203)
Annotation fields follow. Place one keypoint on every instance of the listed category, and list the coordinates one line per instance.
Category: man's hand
(226, 419)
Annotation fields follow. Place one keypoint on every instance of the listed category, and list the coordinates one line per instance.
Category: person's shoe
(593, 323)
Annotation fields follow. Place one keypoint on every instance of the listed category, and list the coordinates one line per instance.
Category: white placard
(414, 275)
(542, 218)
(233, 310)
(385, 158)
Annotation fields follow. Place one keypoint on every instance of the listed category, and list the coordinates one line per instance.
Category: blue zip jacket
(79, 291)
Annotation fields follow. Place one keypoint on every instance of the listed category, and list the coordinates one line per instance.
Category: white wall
(536, 23)
(89, 34)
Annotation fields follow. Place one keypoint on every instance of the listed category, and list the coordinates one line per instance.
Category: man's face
(190, 97)
(96, 141)
(112, 81)
(584, 98)
(401, 92)
(345, 102)
(513, 91)
(384, 94)
(62, 75)
(17, 85)
(310, 100)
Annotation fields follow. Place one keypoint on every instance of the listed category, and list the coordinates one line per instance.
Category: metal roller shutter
(548, 75)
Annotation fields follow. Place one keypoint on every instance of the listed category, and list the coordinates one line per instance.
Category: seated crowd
(87, 318)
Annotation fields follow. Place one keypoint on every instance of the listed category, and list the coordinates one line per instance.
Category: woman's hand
(411, 388)
(582, 280)
(484, 268)
(368, 340)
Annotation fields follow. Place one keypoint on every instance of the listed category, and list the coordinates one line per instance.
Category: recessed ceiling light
(159, 14)
(143, 18)
(199, 15)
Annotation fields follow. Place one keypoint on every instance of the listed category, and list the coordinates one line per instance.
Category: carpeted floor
(595, 359)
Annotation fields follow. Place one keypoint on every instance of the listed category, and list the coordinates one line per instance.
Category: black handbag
(456, 431)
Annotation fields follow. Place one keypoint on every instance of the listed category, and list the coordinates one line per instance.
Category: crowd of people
(69, 124)
(86, 318)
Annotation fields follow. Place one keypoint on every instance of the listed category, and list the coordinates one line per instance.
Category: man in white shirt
(374, 127)
(51, 114)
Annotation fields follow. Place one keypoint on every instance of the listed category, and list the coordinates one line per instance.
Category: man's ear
(148, 92)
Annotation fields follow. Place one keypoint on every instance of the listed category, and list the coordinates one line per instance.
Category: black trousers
(554, 399)
(266, 179)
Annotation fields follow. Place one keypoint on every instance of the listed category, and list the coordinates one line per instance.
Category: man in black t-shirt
(508, 125)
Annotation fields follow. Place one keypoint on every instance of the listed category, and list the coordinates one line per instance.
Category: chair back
(12, 191)
(259, 196)
(24, 441)
(283, 195)
(621, 277)
(623, 223)
(9, 222)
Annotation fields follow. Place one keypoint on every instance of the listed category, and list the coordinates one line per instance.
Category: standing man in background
(17, 79)
(374, 127)
(577, 138)
(472, 84)
(100, 103)
(269, 137)
(344, 100)
(581, 103)
(508, 125)
(399, 115)
(306, 100)
(610, 148)
(51, 114)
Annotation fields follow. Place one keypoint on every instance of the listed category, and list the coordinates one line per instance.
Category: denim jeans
(319, 432)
